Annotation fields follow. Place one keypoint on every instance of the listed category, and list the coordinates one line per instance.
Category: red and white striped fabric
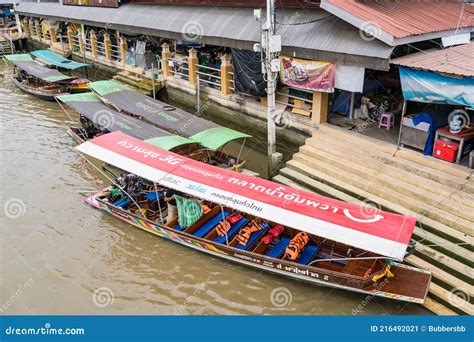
(360, 226)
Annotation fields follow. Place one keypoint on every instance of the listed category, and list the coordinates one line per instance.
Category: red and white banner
(360, 226)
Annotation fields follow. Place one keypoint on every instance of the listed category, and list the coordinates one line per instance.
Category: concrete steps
(140, 82)
(353, 168)
(6, 48)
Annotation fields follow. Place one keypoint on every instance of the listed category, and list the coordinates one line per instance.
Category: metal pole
(153, 79)
(269, 32)
(198, 94)
(351, 106)
(404, 109)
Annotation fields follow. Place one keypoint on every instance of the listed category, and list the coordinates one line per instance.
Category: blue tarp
(431, 87)
(436, 119)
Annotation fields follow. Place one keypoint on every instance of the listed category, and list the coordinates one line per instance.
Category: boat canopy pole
(223, 219)
(158, 200)
(113, 181)
(241, 148)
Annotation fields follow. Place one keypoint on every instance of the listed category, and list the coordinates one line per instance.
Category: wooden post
(123, 50)
(192, 66)
(226, 77)
(32, 28)
(38, 30)
(263, 102)
(82, 48)
(108, 46)
(93, 39)
(26, 28)
(70, 37)
(44, 31)
(165, 55)
(319, 111)
(52, 33)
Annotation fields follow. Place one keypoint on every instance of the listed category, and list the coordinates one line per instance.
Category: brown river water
(59, 256)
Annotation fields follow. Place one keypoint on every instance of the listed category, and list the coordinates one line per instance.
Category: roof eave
(383, 35)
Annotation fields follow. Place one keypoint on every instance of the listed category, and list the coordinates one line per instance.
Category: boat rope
(70, 118)
(110, 179)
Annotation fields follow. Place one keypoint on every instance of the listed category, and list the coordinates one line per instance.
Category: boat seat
(233, 229)
(206, 227)
(278, 249)
(178, 227)
(121, 202)
(308, 254)
(151, 196)
(253, 238)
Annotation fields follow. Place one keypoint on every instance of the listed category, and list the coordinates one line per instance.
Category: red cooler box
(446, 150)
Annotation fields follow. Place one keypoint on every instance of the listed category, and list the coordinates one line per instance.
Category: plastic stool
(387, 120)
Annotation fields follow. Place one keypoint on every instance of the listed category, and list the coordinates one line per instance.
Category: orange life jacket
(245, 233)
(205, 209)
(223, 227)
(296, 246)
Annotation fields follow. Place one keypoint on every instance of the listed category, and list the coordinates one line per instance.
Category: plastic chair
(387, 120)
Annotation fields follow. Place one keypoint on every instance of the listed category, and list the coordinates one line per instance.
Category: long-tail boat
(97, 118)
(37, 79)
(177, 121)
(274, 228)
(52, 59)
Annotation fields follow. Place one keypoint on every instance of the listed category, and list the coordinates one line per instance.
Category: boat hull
(277, 266)
(47, 95)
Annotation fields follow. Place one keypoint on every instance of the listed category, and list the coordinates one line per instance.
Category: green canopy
(168, 142)
(19, 57)
(214, 138)
(52, 58)
(169, 118)
(80, 97)
(104, 88)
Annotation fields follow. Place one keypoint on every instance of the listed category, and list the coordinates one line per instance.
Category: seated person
(170, 200)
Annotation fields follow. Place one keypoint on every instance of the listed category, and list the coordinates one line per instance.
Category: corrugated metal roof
(312, 34)
(403, 19)
(457, 60)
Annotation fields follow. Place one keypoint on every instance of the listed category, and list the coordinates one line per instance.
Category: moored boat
(52, 59)
(262, 224)
(37, 79)
(208, 134)
(96, 117)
